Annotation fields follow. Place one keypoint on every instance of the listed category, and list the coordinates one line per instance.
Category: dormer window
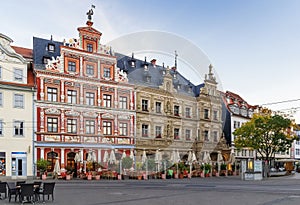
(51, 47)
(45, 60)
(148, 79)
(179, 86)
(175, 75)
(89, 47)
(244, 112)
(145, 65)
(131, 62)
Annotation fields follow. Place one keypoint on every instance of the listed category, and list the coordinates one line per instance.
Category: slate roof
(137, 75)
(40, 51)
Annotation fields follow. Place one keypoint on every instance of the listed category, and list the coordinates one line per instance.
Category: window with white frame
(145, 130)
(1, 99)
(107, 128)
(297, 151)
(123, 102)
(144, 105)
(72, 126)
(158, 131)
(18, 101)
(1, 127)
(188, 135)
(72, 96)
(89, 98)
(176, 110)
(123, 129)
(89, 47)
(215, 115)
(187, 112)
(215, 133)
(106, 100)
(52, 94)
(90, 126)
(72, 66)
(158, 107)
(176, 134)
(106, 72)
(51, 47)
(89, 69)
(206, 114)
(18, 74)
(18, 128)
(206, 137)
(52, 124)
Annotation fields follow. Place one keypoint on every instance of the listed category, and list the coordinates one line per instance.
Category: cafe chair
(48, 189)
(3, 189)
(27, 191)
(12, 190)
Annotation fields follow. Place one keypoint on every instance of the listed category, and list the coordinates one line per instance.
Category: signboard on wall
(257, 166)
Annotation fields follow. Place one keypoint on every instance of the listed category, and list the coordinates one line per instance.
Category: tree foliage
(265, 133)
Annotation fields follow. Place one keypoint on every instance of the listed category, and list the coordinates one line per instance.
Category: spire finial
(89, 14)
(176, 59)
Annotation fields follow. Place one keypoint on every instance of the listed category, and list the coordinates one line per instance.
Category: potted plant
(42, 165)
(223, 169)
(126, 165)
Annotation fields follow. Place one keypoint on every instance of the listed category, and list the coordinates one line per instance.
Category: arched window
(51, 158)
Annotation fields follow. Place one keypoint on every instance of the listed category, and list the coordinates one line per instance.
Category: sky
(253, 45)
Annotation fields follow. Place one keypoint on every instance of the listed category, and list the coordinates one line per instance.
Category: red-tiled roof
(25, 52)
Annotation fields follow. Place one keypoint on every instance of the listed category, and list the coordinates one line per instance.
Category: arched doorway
(51, 158)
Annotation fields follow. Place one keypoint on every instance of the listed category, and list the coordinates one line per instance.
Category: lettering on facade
(72, 139)
(107, 140)
(123, 141)
(52, 138)
(52, 111)
(108, 89)
(90, 139)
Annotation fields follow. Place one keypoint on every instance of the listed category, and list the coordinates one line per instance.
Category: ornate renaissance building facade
(85, 104)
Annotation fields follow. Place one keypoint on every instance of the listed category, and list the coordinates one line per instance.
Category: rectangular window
(90, 127)
(123, 102)
(176, 110)
(1, 99)
(188, 135)
(18, 101)
(145, 130)
(123, 129)
(52, 124)
(158, 131)
(45, 60)
(215, 136)
(72, 66)
(1, 127)
(106, 100)
(158, 107)
(176, 134)
(18, 74)
(72, 96)
(206, 138)
(89, 98)
(89, 47)
(18, 128)
(72, 126)
(187, 112)
(52, 94)
(89, 69)
(206, 114)
(107, 128)
(106, 73)
(215, 115)
(51, 47)
(144, 105)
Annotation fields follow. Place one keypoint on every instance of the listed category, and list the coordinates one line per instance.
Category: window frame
(106, 73)
(52, 125)
(19, 131)
(107, 127)
(72, 96)
(90, 98)
(72, 126)
(72, 66)
(52, 94)
(188, 135)
(89, 47)
(158, 131)
(145, 130)
(176, 110)
(206, 114)
(158, 107)
(107, 100)
(18, 74)
(122, 102)
(176, 134)
(90, 126)
(123, 127)
(90, 70)
(188, 112)
(19, 103)
(145, 105)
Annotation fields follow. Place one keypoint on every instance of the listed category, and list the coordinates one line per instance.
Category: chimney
(153, 62)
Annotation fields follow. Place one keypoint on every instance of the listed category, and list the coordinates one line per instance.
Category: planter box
(97, 177)
(68, 177)
(89, 177)
(119, 177)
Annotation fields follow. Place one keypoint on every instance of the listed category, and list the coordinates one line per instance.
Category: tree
(42, 165)
(265, 133)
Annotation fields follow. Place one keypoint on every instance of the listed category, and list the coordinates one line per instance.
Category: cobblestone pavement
(204, 191)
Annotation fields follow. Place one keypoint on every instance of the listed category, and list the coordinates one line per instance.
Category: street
(204, 191)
